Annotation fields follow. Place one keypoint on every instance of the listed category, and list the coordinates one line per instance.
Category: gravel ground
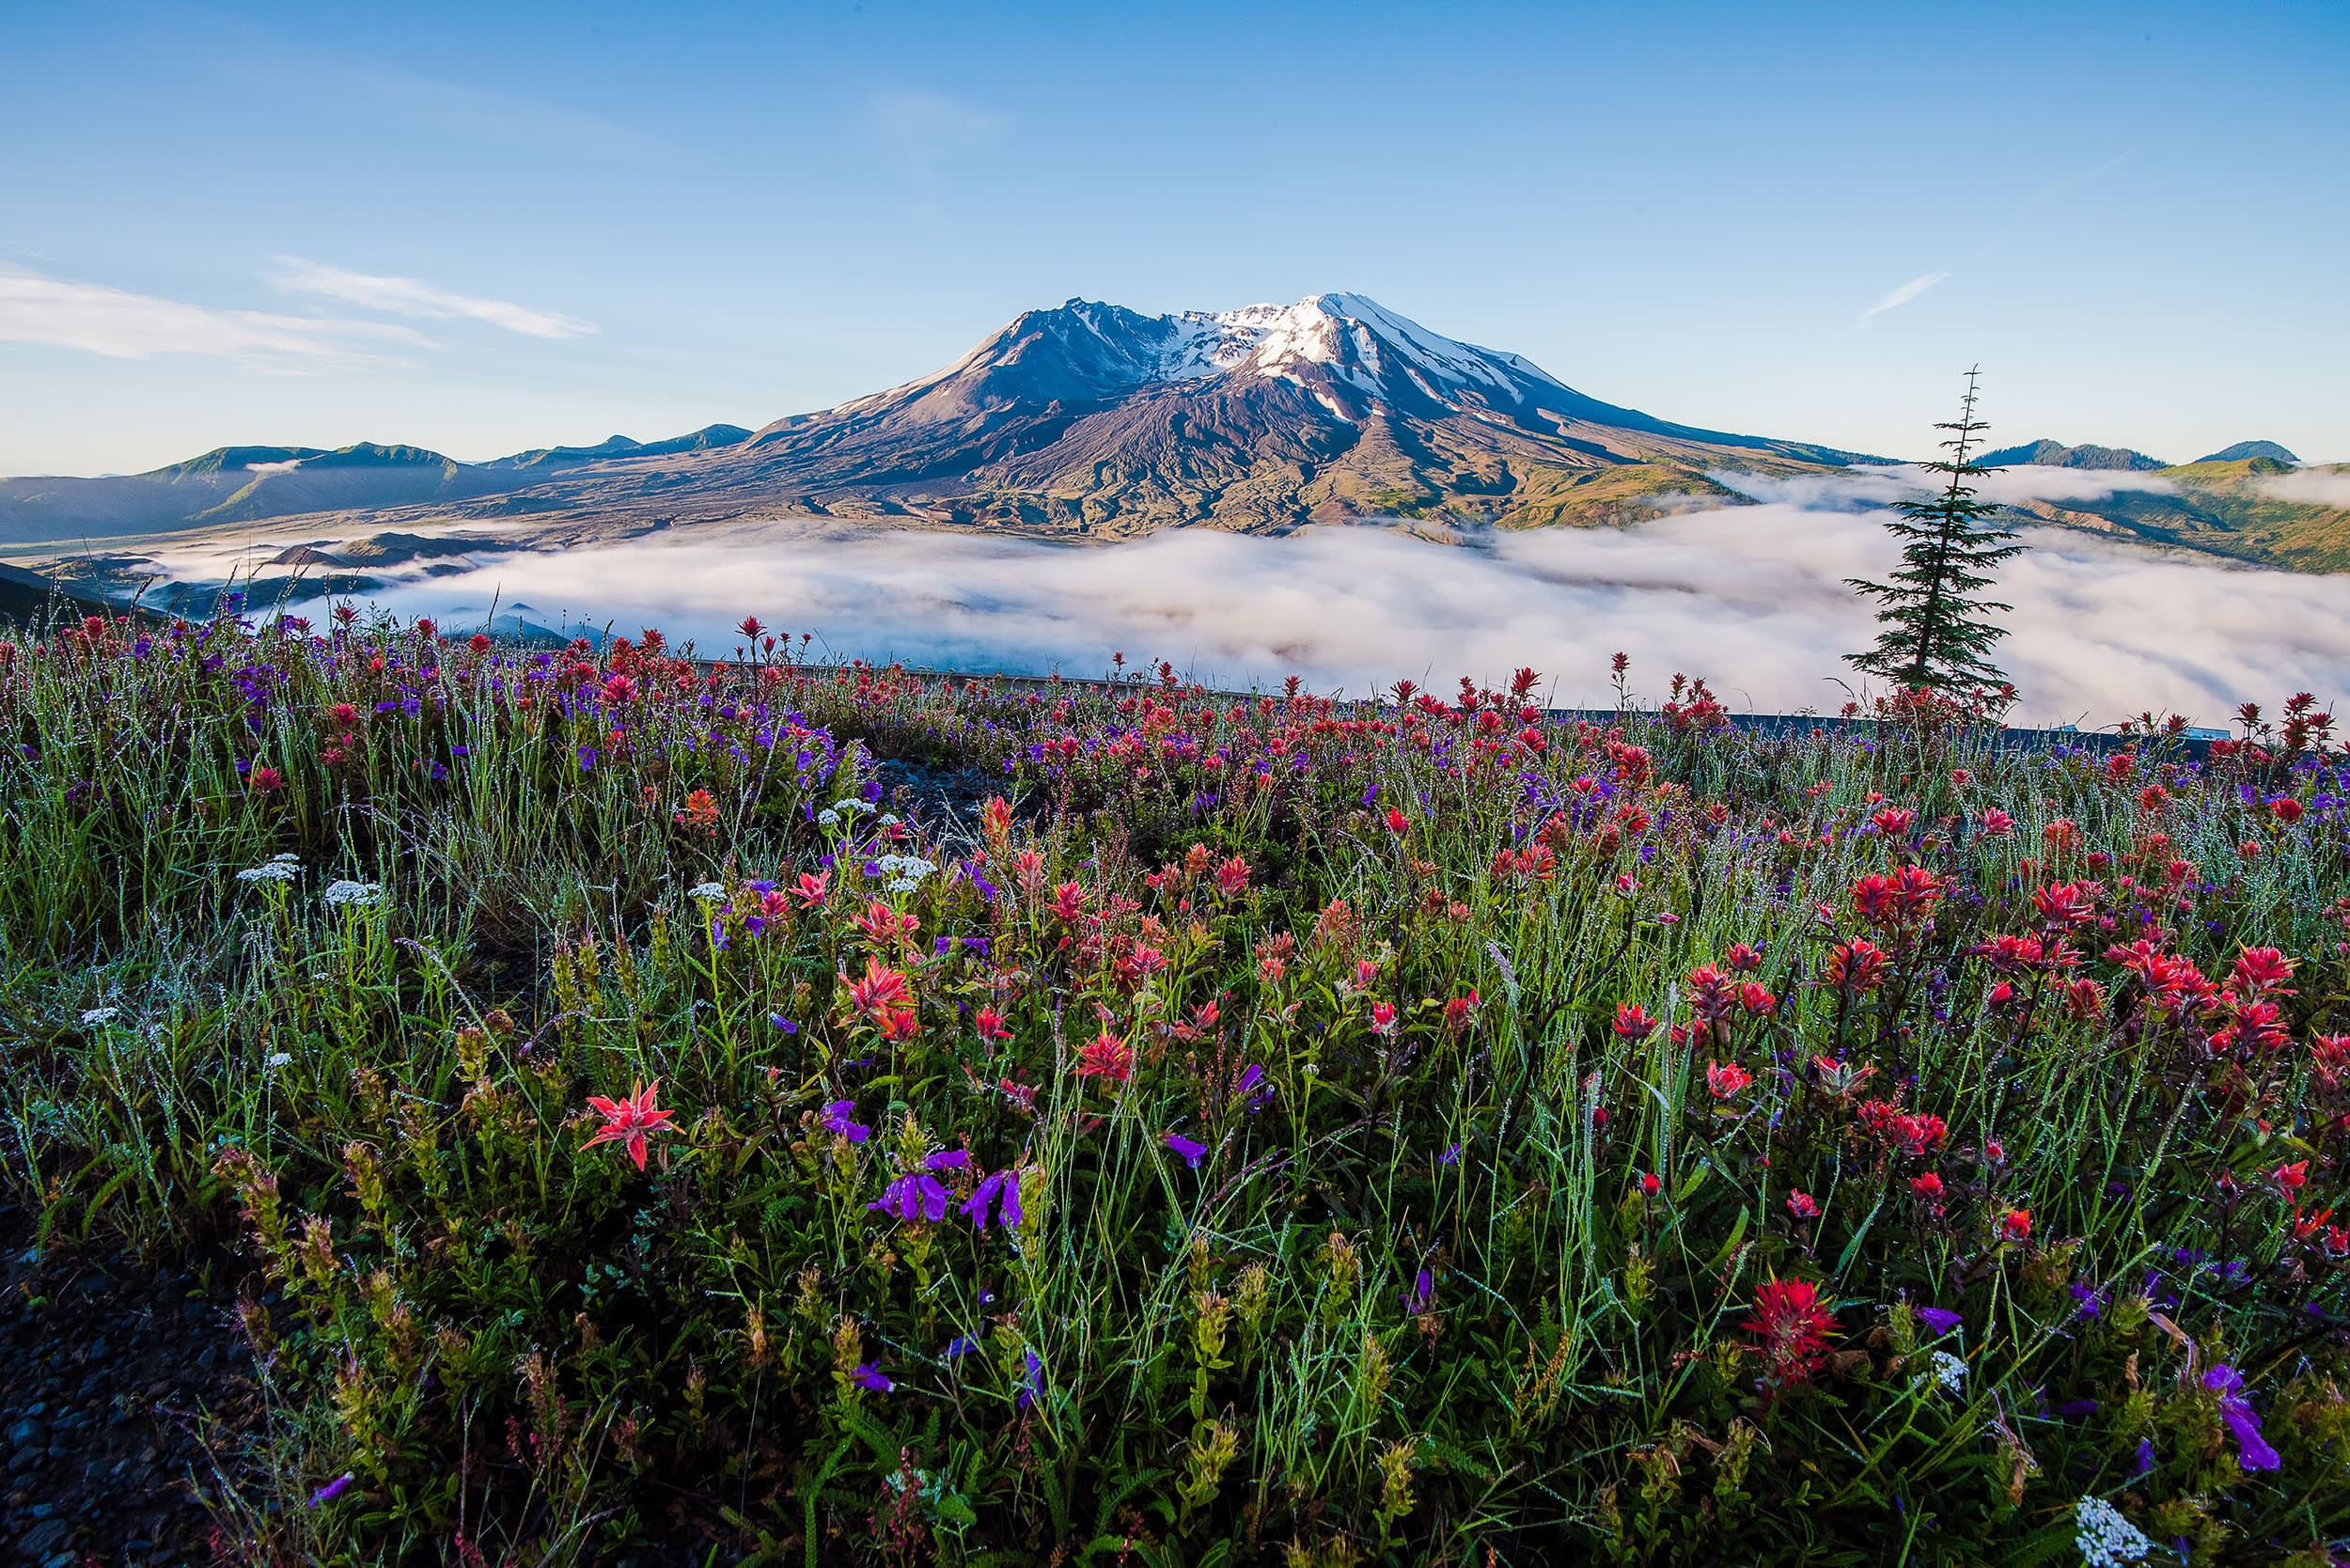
(947, 798)
(108, 1373)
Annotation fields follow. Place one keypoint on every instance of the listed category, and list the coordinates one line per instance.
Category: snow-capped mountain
(1347, 351)
(1093, 418)
(1086, 418)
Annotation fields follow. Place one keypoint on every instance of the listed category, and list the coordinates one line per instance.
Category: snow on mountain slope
(1327, 344)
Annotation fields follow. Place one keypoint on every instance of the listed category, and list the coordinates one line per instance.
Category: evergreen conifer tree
(1937, 634)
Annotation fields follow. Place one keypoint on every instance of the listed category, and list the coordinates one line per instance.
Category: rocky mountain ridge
(1092, 421)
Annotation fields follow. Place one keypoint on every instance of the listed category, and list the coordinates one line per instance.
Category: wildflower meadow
(648, 1108)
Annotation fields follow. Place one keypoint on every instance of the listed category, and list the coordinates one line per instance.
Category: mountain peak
(2048, 453)
(2243, 449)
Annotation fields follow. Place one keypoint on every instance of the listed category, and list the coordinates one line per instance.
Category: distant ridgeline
(1089, 421)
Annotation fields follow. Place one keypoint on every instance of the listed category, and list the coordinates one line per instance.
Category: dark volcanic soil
(108, 1375)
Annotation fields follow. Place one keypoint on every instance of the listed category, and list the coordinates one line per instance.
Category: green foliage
(1937, 634)
(1403, 1112)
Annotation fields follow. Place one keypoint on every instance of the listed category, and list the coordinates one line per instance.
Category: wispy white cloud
(923, 127)
(123, 325)
(1901, 296)
(325, 81)
(408, 296)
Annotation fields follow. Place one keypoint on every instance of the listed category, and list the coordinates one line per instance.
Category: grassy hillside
(639, 1113)
(2228, 509)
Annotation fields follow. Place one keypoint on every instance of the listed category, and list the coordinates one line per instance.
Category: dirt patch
(112, 1378)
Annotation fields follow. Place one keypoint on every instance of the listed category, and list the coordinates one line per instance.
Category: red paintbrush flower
(1791, 1329)
(881, 992)
(631, 1120)
(1107, 1057)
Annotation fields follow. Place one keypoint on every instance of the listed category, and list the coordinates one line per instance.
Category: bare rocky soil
(116, 1383)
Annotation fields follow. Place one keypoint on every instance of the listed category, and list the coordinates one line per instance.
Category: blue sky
(482, 228)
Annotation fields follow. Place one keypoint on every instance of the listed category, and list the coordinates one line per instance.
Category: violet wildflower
(778, 1022)
(1252, 1090)
(1450, 1156)
(2252, 1449)
(917, 1194)
(947, 1159)
(1001, 1188)
(2145, 1457)
(1031, 1382)
(1191, 1151)
(837, 1115)
(868, 1375)
(961, 1346)
(1421, 1297)
(332, 1490)
(1940, 1319)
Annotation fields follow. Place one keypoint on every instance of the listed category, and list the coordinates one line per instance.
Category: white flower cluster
(358, 895)
(830, 815)
(2106, 1540)
(707, 890)
(282, 870)
(905, 872)
(278, 1059)
(1949, 1372)
(98, 1015)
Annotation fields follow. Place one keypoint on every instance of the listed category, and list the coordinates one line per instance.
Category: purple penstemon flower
(1252, 1090)
(1940, 1319)
(332, 1490)
(868, 1375)
(1192, 1151)
(915, 1195)
(1450, 1156)
(1421, 1297)
(836, 1114)
(1001, 1188)
(2252, 1448)
(1031, 1382)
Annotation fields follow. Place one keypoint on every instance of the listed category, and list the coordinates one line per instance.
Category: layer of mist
(1753, 598)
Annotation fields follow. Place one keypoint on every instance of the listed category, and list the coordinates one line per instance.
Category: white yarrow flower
(890, 819)
(707, 890)
(1949, 1372)
(278, 1059)
(358, 895)
(276, 870)
(900, 884)
(2105, 1539)
(828, 817)
(287, 859)
(98, 1015)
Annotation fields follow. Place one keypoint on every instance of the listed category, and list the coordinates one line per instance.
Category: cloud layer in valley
(2327, 487)
(1752, 597)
